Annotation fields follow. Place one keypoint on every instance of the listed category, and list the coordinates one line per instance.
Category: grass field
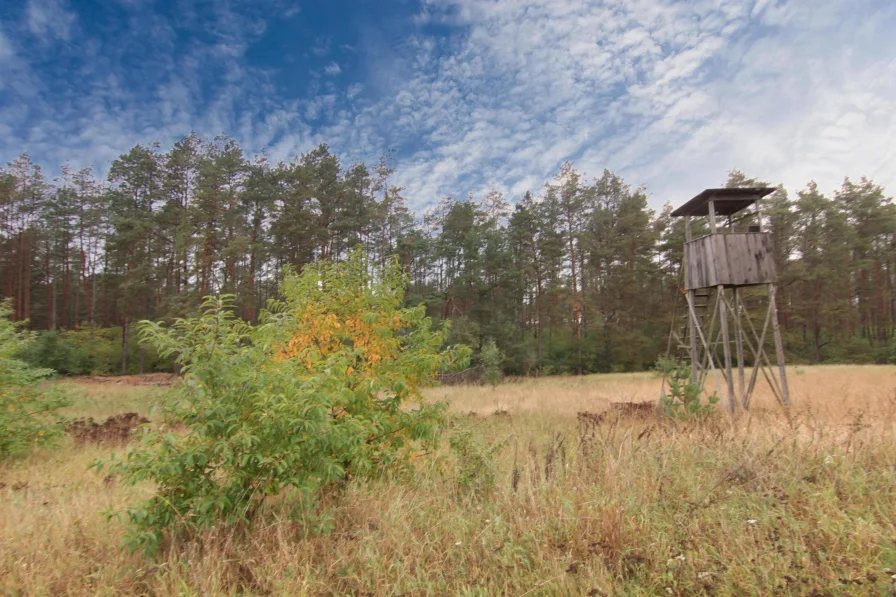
(628, 506)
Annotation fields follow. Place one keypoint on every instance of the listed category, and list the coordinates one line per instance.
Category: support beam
(761, 356)
(710, 348)
(757, 360)
(692, 332)
(738, 335)
(712, 364)
(726, 349)
(779, 345)
(710, 354)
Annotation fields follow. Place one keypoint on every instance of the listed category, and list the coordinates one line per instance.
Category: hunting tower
(723, 274)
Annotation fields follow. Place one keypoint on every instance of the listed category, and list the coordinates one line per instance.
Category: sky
(468, 95)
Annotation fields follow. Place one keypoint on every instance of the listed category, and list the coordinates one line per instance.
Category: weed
(474, 458)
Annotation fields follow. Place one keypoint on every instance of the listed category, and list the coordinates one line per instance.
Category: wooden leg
(692, 332)
(738, 335)
(706, 347)
(726, 349)
(779, 345)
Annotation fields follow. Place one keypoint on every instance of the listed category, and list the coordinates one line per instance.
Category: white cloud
(321, 47)
(49, 19)
(319, 107)
(537, 82)
(91, 123)
(353, 90)
(6, 51)
(668, 93)
(671, 94)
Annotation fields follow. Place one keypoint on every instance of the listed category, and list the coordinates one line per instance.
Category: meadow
(554, 503)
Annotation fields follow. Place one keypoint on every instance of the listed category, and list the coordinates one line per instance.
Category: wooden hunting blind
(716, 269)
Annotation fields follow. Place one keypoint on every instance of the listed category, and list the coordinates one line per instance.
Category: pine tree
(137, 179)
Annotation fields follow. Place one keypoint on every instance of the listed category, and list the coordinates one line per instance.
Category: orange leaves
(345, 328)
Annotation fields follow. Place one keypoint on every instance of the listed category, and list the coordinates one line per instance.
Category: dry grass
(829, 392)
(626, 507)
(101, 400)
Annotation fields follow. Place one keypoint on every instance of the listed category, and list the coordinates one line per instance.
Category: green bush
(91, 351)
(491, 358)
(317, 393)
(664, 366)
(685, 399)
(28, 408)
(475, 459)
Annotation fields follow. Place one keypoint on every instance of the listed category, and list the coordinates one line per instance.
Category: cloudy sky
(468, 93)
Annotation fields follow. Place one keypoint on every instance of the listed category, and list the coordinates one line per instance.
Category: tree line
(578, 276)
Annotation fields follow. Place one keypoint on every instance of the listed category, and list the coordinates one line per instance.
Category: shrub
(91, 351)
(685, 399)
(664, 365)
(29, 411)
(316, 393)
(475, 459)
(491, 358)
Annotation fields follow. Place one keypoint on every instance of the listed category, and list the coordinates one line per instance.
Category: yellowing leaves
(347, 329)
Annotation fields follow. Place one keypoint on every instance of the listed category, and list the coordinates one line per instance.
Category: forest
(578, 276)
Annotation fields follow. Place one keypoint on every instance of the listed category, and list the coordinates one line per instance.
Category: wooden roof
(727, 201)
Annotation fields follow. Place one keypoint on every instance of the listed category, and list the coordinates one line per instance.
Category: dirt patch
(117, 429)
(590, 422)
(619, 410)
(150, 379)
(636, 410)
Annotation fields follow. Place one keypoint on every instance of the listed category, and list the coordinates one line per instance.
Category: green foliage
(580, 279)
(664, 366)
(318, 392)
(685, 399)
(28, 410)
(475, 458)
(91, 351)
(491, 358)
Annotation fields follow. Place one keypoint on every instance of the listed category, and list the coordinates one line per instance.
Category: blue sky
(471, 94)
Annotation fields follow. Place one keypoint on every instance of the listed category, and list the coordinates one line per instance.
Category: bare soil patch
(117, 429)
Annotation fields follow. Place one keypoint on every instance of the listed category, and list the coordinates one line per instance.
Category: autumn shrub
(29, 410)
(325, 387)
